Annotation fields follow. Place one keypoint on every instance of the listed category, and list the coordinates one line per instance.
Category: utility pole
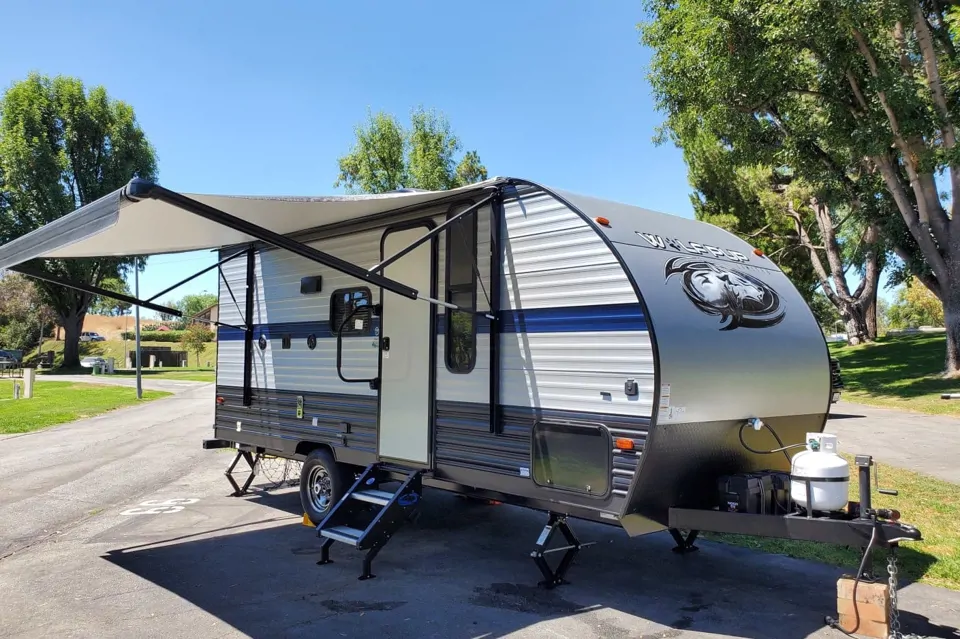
(136, 320)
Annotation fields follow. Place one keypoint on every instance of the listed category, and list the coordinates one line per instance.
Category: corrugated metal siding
(342, 419)
(463, 438)
(552, 259)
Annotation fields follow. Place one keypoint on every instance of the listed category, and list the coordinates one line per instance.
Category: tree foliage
(386, 156)
(915, 306)
(61, 147)
(24, 317)
(107, 305)
(858, 98)
(195, 338)
(190, 306)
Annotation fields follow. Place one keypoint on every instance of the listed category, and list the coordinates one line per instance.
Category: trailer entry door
(405, 353)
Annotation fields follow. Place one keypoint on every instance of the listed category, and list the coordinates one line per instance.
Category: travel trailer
(503, 340)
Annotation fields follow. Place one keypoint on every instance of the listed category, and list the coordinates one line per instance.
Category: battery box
(758, 493)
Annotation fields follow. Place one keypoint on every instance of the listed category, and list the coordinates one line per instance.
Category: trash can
(96, 368)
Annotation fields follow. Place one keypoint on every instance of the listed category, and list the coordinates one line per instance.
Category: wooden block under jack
(872, 606)
(866, 628)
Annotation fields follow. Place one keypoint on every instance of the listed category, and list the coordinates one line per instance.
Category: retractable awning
(143, 218)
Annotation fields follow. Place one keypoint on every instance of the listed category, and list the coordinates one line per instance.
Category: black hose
(782, 448)
(835, 623)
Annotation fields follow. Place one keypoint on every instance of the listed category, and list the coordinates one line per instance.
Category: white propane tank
(828, 472)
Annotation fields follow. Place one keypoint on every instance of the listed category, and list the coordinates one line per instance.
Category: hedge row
(158, 336)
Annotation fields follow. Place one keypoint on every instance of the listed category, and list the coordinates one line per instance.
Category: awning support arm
(95, 290)
(197, 274)
(140, 189)
(431, 233)
(102, 292)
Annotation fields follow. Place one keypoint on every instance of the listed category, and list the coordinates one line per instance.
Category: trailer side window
(342, 301)
(460, 346)
(574, 457)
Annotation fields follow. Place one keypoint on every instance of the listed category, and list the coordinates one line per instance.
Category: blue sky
(241, 99)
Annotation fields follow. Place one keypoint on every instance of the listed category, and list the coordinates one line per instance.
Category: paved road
(54, 478)
(925, 443)
(147, 382)
(88, 553)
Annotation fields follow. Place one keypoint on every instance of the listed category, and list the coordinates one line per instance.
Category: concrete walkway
(928, 444)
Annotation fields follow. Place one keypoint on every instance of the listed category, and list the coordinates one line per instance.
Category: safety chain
(894, 603)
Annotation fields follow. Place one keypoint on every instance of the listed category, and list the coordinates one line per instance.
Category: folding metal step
(378, 497)
(392, 510)
(343, 534)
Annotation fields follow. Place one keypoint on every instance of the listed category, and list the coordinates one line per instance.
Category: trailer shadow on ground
(463, 570)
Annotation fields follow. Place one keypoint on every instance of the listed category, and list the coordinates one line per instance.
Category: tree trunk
(870, 316)
(951, 321)
(857, 331)
(72, 327)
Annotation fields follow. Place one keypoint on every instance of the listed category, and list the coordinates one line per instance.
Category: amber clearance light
(623, 443)
(602, 221)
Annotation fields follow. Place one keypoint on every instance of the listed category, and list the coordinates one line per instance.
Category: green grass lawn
(898, 372)
(60, 402)
(930, 504)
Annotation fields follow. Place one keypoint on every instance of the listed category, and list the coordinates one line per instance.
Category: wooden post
(872, 605)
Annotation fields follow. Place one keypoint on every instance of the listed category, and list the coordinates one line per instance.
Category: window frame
(348, 332)
(449, 290)
(605, 435)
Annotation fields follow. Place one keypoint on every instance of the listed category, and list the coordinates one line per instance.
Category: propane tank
(828, 472)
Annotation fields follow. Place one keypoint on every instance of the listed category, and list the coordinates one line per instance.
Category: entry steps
(365, 500)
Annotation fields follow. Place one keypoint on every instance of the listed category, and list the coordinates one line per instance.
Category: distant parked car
(11, 355)
(90, 362)
(90, 336)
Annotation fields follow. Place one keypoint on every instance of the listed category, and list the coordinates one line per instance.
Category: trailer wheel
(322, 484)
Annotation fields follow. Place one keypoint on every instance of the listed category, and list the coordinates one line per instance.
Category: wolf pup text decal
(693, 248)
(739, 299)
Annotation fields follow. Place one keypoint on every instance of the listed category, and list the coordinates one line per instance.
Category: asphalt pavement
(122, 526)
(926, 443)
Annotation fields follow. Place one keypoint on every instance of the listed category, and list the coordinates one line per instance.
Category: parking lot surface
(141, 538)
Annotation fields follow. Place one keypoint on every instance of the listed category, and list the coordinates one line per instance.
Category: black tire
(333, 478)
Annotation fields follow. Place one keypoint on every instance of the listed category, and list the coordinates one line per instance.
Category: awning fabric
(116, 225)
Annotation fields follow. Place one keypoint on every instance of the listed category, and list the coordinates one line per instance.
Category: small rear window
(340, 306)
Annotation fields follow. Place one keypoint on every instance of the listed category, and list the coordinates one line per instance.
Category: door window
(460, 346)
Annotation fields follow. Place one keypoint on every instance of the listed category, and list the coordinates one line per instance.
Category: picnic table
(10, 367)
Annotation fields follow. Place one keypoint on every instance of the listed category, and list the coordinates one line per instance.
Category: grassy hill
(898, 372)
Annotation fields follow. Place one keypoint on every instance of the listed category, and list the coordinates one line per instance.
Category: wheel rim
(320, 488)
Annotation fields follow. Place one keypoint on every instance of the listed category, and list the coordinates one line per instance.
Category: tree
(190, 306)
(195, 338)
(825, 312)
(387, 157)
(193, 304)
(107, 305)
(780, 214)
(915, 306)
(62, 147)
(24, 318)
(846, 94)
